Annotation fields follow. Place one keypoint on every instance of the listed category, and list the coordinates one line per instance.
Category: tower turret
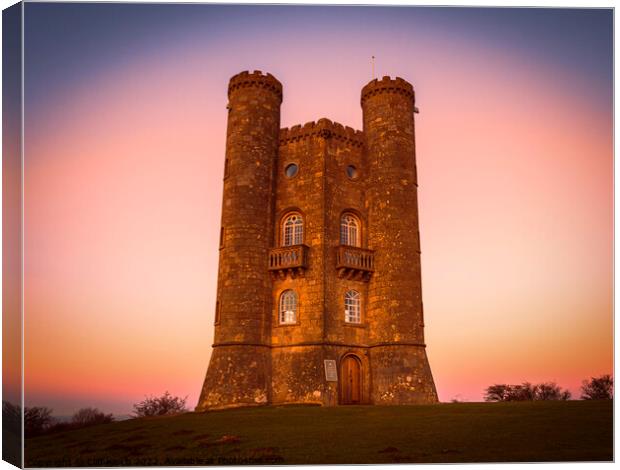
(244, 303)
(401, 373)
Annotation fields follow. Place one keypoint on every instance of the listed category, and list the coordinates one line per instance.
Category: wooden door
(350, 379)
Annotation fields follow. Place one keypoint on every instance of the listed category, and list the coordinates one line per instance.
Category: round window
(291, 170)
(352, 172)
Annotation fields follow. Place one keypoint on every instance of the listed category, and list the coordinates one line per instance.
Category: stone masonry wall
(320, 191)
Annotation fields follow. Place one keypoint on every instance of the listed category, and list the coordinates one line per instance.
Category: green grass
(458, 432)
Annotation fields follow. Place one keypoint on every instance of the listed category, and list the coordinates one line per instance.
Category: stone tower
(319, 296)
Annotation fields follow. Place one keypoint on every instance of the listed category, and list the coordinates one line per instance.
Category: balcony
(291, 260)
(355, 263)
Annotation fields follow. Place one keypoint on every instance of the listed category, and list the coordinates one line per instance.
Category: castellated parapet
(396, 86)
(256, 79)
(322, 128)
(319, 296)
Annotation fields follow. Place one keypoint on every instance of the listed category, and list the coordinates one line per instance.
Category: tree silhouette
(89, 416)
(37, 419)
(598, 388)
(526, 392)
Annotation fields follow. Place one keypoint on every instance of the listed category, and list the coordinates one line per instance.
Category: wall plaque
(331, 372)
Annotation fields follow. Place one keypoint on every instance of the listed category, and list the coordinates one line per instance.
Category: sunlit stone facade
(319, 296)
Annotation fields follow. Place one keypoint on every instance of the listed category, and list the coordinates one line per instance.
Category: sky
(11, 206)
(125, 126)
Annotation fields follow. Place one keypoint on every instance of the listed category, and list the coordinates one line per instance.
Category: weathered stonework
(257, 360)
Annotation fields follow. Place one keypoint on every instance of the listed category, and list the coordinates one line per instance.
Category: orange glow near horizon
(123, 183)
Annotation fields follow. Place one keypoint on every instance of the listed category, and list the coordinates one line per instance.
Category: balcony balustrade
(291, 260)
(355, 263)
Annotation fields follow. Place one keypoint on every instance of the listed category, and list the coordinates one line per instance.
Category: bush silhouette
(166, 404)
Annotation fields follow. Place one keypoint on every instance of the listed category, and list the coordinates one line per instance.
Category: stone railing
(355, 263)
(291, 260)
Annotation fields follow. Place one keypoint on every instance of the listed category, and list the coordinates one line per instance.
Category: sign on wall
(331, 372)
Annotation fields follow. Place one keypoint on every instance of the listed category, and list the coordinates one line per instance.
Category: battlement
(322, 128)
(387, 85)
(258, 79)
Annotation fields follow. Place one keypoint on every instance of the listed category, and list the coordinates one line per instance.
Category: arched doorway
(350, 380)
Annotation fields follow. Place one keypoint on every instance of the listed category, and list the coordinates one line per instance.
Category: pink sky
(123, 181)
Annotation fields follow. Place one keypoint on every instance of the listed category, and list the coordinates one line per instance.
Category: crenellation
(323, 128)
(338, 128)
(256, 79)
(388, 85)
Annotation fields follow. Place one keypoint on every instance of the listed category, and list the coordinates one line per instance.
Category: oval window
(352, 172)
(291, 170)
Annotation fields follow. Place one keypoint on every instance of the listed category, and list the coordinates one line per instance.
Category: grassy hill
(458, 432)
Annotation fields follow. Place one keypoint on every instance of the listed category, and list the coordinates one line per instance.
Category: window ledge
(284, 325)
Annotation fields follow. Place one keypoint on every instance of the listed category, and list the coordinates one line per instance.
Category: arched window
(293, 230)
(352, 307)
(349, 230)
(288, 307)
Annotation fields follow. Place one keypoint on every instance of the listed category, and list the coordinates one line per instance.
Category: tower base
(238, 375)
(401, 375)
(258, 375)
